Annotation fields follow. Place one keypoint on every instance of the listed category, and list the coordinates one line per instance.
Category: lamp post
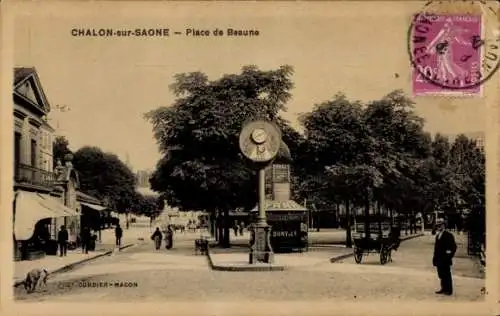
(259, 142)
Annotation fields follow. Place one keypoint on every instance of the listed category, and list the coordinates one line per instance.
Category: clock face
(259, 136)
(259, 141)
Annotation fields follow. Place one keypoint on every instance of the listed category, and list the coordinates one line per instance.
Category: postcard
(250, 157)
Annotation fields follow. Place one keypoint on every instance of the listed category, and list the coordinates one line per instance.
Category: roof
(86, 197)
(281, 206)
(283, 155)
(20, 73)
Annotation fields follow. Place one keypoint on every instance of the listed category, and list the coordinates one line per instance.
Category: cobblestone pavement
(180, 275)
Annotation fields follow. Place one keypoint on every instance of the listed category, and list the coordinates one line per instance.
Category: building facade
(142, 177)
(32, 133)
(478, 137)
(44, 197)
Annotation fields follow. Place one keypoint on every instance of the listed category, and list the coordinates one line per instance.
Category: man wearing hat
(444, 250)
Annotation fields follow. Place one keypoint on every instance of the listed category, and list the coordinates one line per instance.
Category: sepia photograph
(262, 152)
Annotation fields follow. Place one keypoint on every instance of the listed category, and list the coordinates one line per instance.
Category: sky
(109, 83)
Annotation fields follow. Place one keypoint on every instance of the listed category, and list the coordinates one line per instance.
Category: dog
(35, 278)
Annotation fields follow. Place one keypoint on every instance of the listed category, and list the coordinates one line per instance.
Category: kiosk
(288, 219)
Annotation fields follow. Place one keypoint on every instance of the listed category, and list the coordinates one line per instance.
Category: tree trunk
(348, 236)
(412, 223)
(406, 223)
(317, 221)
(379, 213)
(212, 223)
(226, 242)
(218, 233)
(337, 216)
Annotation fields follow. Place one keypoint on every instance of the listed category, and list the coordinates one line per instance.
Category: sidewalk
(418, 254)
(55, 264)
(238, 261)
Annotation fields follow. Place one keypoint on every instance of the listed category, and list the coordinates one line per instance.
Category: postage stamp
(454, 52)
(211, 157)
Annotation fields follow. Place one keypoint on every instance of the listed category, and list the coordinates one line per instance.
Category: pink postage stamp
(446, 53)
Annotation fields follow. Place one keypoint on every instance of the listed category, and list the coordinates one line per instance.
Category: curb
(341, 257)
(248, 268)
(77, 263)
(344, 256)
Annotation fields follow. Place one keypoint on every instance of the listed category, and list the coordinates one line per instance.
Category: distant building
(142, 177)
(478, 136)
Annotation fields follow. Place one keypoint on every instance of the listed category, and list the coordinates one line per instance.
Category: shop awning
(94, 206)
(281, 206)
(32, 207)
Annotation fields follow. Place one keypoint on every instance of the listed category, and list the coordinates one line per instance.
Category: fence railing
(31, 175)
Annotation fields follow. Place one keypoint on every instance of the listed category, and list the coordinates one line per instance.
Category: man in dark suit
(444, 250)
(62, 240)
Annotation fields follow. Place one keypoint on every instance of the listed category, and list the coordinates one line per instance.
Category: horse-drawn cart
(382, 239)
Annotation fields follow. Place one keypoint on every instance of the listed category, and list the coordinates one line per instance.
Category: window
(17, 153)
(280, 173)
(33, 153)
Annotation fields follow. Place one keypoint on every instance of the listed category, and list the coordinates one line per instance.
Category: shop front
(33, 214)
(93, 217)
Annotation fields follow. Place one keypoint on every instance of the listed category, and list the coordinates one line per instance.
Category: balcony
(26, 174)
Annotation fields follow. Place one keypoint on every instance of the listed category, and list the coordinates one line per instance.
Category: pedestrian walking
(118, 235)
(62, 241)
(444, 250)
(156, 237)
(241, 227)
(235, 228)
(85, 239)
(169, 236)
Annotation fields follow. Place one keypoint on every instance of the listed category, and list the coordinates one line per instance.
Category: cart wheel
(358, 255)
(383, 255)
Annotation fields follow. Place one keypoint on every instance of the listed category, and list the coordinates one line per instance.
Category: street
(142, 274)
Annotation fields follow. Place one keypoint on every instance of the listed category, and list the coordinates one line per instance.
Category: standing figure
(235, 228)
(62, 241)
(241, 227)
(118, 235)
(169, 235)
(85, 239)
(441, 46)
(444, 250)
(156, 237)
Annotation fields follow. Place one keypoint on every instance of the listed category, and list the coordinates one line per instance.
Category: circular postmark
(454, 45)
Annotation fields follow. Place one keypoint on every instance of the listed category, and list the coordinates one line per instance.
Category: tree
(469, 165)
(335, 136)
(60, 149)
(146, 205)
(365, 155)
(106, 177)
(402, 145)
(198, 137)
